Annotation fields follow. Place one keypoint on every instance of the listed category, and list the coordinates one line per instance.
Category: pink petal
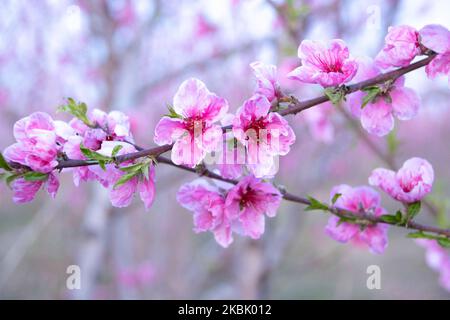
(169, 129)
(147, 188)
(405, 103)
(377, 118)
(435, 37)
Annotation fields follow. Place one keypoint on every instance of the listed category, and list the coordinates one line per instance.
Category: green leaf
(125, 178)
(145, 171)
(133, 168)
(413, 209)
(4, 164)
(336, 197)
(172, 113)
(35, 176)
(441, 240)
(421, 235)
(116, 150)
(102, 164)
(316, 205)
(12, 177)
(93, 155)
(336, 95)
(444, 242)
(77, 109)
(390, 218)
(372, 94)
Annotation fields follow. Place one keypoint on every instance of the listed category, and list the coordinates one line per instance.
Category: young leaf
(392, 142)
(93, 155)
(372, 93)
(77, 109)
(11, 178)
(145, 171)
(116, 150)
(444, 242)
(390, 218)
(413, 209)
(3, 164)
(125, 178)
(336, 197)
(316, 205)
(172, 113)
(35, 176)
(132, 168)
(336, 95)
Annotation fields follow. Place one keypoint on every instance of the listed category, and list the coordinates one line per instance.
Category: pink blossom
(249, 201)
(401, 46)
(264, 134)
(25, 191)
(72, 150)
(411, 183)
(327, 66)
(437, 38)
(319, 122)
(266, 77)
(195, 133)
(437, 259)
(122, 195)
(207, 204)
(36, 145)
(139, 275)
(355, 199)
(377, 117)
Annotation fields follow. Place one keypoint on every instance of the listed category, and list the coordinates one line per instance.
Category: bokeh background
(131, 55)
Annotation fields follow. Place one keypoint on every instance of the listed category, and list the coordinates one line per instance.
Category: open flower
(193, 129)
(265, 135)
(122, 195)
(113, 126)
(355, 200)
(207, 204)
(248, 202)
(36, 145)
(327, 66)
(437, 38)
(377, 116)
(401, 46)
(411, 183)
(25, 191)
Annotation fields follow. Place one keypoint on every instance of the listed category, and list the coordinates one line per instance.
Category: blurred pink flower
(122, 195)
(203, 27)
(411, 183)
(327, 66)
(401, 46)
(248, 202)
(355, 199)
(207, 204)
(319, 122)
(437, 259)
(194, 132)
(264, 134)
(36, 145)
(377, 117)
(140, 275)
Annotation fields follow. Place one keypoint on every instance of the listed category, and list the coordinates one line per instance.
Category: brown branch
(294, 108)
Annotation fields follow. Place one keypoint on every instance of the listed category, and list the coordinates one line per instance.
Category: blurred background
(131, 55)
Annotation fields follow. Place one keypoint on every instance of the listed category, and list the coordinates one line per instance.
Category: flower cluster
(241, 208)
(199, 127)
